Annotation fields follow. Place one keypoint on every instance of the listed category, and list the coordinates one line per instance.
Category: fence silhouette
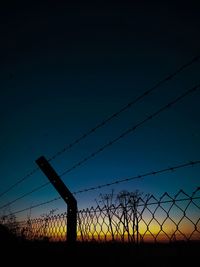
(133, 219)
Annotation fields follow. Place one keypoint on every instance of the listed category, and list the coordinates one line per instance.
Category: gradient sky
(64, 68)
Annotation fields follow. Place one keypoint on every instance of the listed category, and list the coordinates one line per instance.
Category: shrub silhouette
(6, 236)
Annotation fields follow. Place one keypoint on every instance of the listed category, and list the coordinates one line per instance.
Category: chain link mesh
(165, 219)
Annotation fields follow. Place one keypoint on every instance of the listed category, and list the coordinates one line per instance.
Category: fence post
(65, 194)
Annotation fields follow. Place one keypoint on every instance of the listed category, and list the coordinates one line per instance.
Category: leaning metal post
(66, 195)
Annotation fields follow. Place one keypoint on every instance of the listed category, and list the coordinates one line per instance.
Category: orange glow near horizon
(56, 231)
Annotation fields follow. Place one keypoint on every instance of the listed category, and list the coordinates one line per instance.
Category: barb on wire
(108, 119)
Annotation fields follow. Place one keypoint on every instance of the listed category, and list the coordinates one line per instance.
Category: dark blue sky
(64, 68)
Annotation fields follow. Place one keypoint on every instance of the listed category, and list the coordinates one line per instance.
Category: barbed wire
(104, 122)
(128, 131)
(36, 206)
(131, 129)
(140, 176)
(127, 106)
(25, 195)
(19, 181)
(144, 203)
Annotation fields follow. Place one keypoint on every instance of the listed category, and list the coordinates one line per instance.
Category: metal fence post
(66, 195)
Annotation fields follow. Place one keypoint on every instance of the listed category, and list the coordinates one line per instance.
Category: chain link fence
(134, 219)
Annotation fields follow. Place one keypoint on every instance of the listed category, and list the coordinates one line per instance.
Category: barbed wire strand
(191, 163)
(19, 181)
(151, 173)
(131, 129)
(127, 106)
(25, 195)
(101, 124)
(144, 204)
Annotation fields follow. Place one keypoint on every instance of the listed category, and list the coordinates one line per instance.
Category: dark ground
(101, 254)
(19, 252)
